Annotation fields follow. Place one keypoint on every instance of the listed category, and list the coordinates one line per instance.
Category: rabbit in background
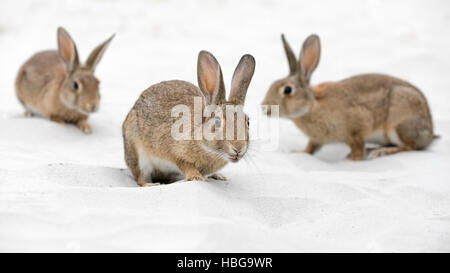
(371, 108)
(55, 85)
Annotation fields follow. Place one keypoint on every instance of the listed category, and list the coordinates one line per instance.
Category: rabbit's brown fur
(365, 108)
(154, 156)
(53, 84)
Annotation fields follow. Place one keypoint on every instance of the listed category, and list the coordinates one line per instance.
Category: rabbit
(154, 156)
(53, 84)
(371, 108)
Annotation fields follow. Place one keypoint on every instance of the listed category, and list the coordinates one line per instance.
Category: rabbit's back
(42, 73)
(169, 93)
(363, 103)
(389, 99)
(375, 93)
(154, 106)
(366, 84)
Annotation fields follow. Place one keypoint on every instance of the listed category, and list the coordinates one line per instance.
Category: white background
(61, 190)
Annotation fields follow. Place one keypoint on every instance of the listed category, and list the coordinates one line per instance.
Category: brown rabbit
(365, 108)
(53, 84)
(151, 151)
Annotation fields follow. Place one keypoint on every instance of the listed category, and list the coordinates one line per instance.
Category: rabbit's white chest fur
(378, 137)
(150, 163)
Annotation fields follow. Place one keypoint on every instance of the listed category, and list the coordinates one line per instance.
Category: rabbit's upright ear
(210, 79)
(290, 56)
(241, 79)
(97, 54)
(67, 50)
(309, 57)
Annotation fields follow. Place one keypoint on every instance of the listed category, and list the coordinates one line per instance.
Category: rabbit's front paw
(218, 176)
(85, 127)
(150, 184)
(196, 177)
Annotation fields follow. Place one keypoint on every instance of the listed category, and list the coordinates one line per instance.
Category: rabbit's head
(293, 93)
(80, 89)
(227, 125)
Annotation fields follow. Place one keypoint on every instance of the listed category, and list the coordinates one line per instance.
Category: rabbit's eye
(75, 85)
(287, 90)
(218, 122)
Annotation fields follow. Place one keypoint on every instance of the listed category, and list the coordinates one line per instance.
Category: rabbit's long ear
(210, 79)
(309, 57)
(97, 54)
(67, 50)
(290, 56)
(241, 79)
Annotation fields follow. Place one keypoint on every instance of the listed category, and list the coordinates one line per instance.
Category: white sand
(61, 190)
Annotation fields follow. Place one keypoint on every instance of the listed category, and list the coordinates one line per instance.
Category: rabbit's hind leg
(138, 165)
(416, 133)
(145, 167)
(388, 151)
(131, 158)
(413, 134)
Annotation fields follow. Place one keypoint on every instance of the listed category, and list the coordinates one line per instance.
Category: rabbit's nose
(239, 151)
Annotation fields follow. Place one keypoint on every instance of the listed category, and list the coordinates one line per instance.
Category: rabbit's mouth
(234, 159)
(235, 154)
